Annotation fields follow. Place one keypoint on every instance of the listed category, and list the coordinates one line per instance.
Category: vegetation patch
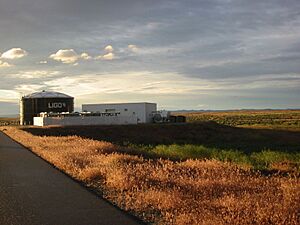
(9, 121)
(258, 148)
(250, 118)
(262, 160)
(238, 167)
(163, 191)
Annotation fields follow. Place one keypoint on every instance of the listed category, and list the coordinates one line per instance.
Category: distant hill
(222, 110)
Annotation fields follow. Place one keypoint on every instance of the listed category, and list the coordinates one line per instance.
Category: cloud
(137, 83)
(69, 56)
(109, 48)
(85, 56)
(229, 43)
(8, 95)
(34, 74)
(4, 64)
(65, 56)
(108, 56)
(28, 88)
(166, 84)
(133, 48)
(14, 53)
(43, 62)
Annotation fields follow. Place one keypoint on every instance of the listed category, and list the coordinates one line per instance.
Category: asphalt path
(32, 192)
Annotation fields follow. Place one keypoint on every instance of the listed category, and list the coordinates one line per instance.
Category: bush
(265, 159)
(183, 151)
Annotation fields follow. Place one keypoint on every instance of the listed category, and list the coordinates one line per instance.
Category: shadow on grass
(208, 134)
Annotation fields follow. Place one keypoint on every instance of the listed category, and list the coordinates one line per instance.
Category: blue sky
(202, 54)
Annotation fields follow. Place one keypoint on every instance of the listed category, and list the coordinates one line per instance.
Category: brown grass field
(163, 191)
(9, 121)
(258, 148)
(270, 119)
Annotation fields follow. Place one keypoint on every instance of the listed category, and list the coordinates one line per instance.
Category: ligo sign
(56, 105)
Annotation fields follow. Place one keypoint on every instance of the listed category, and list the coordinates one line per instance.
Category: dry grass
(270, 119)
(166, 192)
(263, 149)
(9, 121)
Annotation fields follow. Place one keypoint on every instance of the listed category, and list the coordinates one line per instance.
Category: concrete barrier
(84, 120)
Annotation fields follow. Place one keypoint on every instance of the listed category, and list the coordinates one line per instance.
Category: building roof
(47, 94)
(121, 103)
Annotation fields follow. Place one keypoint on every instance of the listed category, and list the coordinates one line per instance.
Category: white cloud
(28, 88)
(108, 56)
(8, 95)
(4, 64)
(36, 74)
(137, 83)
(14, 53)
(85, 56)
(65, 56)
(133, 48)
(148, 83)
(159, 87)
(69, 56)
(43, 62)
(109, 48)
(261, 81)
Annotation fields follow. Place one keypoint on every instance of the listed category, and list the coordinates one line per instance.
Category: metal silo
(45, 101)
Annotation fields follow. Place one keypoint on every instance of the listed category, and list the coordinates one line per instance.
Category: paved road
(32, 192)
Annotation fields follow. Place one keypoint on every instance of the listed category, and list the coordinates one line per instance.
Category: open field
(264, 149)
(204, 172)
(287, 119)
(168, 192)
(9, 121)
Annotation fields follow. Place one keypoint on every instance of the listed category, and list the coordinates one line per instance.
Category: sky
(192, 54)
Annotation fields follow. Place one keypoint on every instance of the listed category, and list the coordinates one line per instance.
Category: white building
(142, 110)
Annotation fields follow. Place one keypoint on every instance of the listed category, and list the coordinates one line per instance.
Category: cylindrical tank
(46, 101)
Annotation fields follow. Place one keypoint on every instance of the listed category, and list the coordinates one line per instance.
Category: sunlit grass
(262, 160)
(251, 118)
(194, 191)
(9, 121)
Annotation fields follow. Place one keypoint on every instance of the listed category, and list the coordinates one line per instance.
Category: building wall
(82, 120)
(149, 109)
(31, 107)
(141, 110)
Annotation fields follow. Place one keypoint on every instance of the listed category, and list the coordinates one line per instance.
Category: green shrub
(257, 160)
(183, 151)
(234, 156)
(265, 158)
